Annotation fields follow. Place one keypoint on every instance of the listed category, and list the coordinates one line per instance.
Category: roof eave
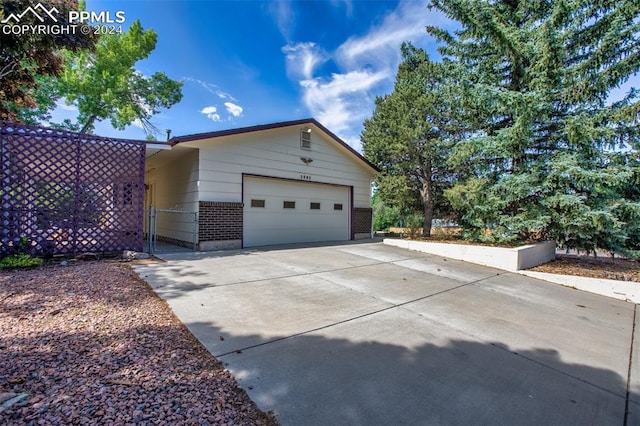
(229, 132)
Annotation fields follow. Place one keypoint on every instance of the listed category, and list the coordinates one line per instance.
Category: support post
(150, 229)
(195, 230)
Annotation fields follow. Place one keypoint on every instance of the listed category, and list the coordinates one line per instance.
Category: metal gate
(171, 230)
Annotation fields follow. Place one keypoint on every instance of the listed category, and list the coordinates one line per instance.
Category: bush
(20, 261)
(631, 254)
(413, 225)
(384, 216)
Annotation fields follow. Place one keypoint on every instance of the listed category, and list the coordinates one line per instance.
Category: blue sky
(251, 62)
(256, 62)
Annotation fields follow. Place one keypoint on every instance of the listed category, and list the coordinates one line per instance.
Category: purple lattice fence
(66, 192)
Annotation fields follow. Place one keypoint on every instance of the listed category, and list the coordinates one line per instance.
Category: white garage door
(278, 211)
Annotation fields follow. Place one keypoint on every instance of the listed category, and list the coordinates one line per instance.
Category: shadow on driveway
(367, 334)
(315, 380)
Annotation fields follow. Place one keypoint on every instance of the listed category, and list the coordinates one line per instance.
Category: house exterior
(278, 183)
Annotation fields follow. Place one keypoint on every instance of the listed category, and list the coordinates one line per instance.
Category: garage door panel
(285, 236)
(298, 221)
(274, 224)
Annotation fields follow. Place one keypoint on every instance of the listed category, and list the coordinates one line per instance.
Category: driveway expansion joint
(536, 361)
(377, 311)
(631, 350)
(307, 274)
(564, 373)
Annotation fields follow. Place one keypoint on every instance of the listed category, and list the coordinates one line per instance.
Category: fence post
(150, 230)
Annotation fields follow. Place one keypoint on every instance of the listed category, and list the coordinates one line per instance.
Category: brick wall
(219, 221)
(362, 220)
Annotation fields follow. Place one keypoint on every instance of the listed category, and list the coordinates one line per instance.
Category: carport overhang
(153, 148)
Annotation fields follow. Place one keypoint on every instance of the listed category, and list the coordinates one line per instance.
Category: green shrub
(631, 254)
(413, 225)
(24, 244)
(20, 261)
(384, 216)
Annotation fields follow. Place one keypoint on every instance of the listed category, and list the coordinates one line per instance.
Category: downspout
(352, 213)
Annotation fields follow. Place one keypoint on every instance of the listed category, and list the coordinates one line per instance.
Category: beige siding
(277, 153)
(172, 183)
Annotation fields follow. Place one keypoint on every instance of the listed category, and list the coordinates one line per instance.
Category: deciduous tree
(104, 84)
(25, 55)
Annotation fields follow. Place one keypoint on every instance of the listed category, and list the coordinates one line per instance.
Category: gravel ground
(594, 267)
(90, 343)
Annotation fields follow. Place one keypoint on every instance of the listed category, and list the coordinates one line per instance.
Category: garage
(281, 211)
(279, 183)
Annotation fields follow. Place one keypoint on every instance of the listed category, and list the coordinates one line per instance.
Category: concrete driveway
(367, 334)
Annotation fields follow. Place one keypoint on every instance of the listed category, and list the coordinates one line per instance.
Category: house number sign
(305, 177)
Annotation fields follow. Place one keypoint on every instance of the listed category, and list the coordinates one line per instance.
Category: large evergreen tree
(549, 151)
(407, 137)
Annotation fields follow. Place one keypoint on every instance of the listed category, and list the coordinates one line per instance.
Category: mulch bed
(594, 267)
(91, 343)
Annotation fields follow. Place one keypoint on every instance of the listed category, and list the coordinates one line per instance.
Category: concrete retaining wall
(510, 259)
(622, 290)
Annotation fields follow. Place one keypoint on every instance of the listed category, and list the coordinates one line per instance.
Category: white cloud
(65, 106)
(343, 101)
(137, 123)
(211, 112)
(367, 66)
(302, 59)
(233, 109)
(283, 15)
(381, 45)
(347, 3)
(211, 88)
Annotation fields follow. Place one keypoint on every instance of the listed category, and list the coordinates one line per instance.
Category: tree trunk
(427, 200)
(88, 124)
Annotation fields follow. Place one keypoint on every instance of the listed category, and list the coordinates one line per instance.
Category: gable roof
(220, 133)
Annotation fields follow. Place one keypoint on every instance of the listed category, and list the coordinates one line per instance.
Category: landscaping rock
(87, 256)
(135, 255)
(8, 399)
(91, 343)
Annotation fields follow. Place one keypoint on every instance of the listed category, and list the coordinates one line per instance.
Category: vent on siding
(305, 139)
